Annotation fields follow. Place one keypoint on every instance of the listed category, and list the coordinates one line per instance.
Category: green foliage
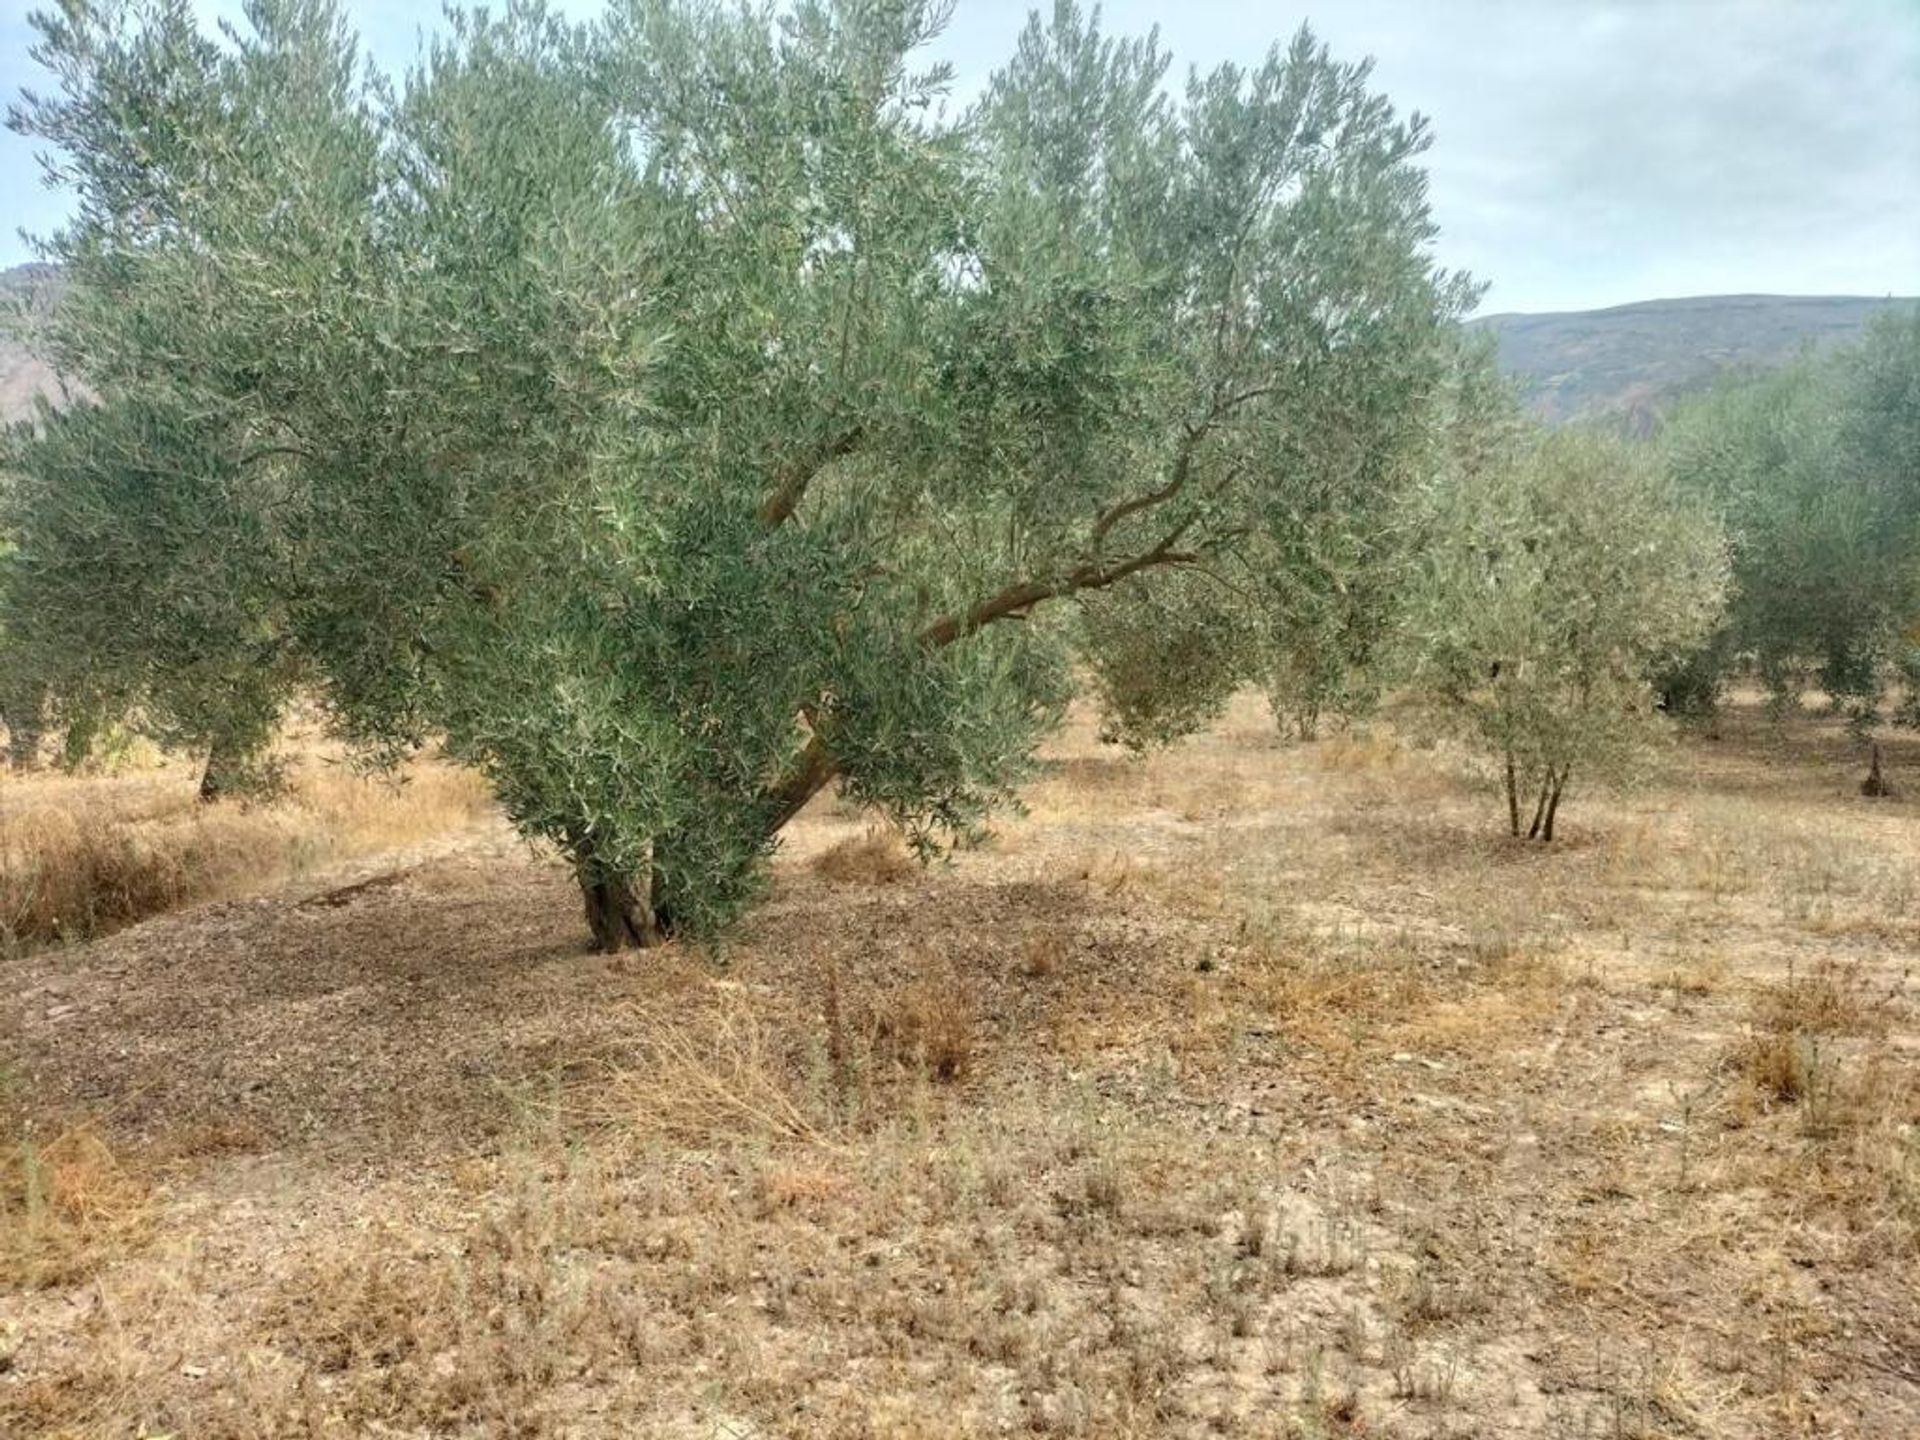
(1305, 603)
(1165, 655)
(1552, 581)
(1329, 580)
(1816, 471)
(674, 412)
(141, 584)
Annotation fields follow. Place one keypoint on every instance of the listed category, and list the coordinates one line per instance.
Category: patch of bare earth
(1248, 1089)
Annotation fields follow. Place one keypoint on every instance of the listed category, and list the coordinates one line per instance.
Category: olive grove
(1815, 471)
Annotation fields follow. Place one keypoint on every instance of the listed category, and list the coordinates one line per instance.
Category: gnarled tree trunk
(620, 910)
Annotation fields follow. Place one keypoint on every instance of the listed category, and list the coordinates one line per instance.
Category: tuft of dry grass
(927, 1027)
(726, 1063)
(877, 857)
(724, 1069)
(1792, 1043)
(67, 1206)
(81, 857)
(1817, 1046)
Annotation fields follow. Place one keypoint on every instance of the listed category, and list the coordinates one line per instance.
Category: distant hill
(1631, 362)
(22, 375)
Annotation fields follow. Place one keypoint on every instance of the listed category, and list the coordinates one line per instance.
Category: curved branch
(1023, 595)
(1189, 447)
(815, 765)
(790, 487)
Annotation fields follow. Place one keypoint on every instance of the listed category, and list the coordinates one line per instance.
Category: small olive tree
(1552, 580)
(679, 412)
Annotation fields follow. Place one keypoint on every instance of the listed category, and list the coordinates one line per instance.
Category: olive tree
(1553, 579)
(1306, 605)
(683, 411)
(138, 588)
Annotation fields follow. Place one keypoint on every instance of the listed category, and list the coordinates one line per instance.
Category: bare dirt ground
(1248, 1089)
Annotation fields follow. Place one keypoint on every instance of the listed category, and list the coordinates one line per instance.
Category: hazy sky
(1588, 152)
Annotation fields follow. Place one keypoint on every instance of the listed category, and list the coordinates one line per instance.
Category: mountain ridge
(1627, 365)
(24, 375)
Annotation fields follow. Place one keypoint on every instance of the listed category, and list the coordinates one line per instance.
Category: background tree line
(1815, 471)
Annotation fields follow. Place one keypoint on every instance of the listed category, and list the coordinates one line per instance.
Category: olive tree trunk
(22, 711)
(1513, 796)
(1540, 807)
(1545, 808)
(226, 774)
(620, 910)
(77, 745)
(1553, 802)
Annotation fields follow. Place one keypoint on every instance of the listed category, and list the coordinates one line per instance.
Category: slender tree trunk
(1875, 786)
(1540, 806)
(620, 911)
(1513, 796)
(1553, 805)
(22, 713)
(77, 746)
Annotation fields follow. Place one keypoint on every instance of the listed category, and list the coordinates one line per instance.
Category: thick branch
(815, 765)
(797, 475)
(812, 769)
(1021, 596)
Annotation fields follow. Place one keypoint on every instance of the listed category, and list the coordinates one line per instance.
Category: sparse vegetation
(83, 856)
(988, 1146)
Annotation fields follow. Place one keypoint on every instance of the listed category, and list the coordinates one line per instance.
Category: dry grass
(725, 1064)
(81, 857)
(876, 857)
(67, 1207)
(1252, 1089)
(927, 1027)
